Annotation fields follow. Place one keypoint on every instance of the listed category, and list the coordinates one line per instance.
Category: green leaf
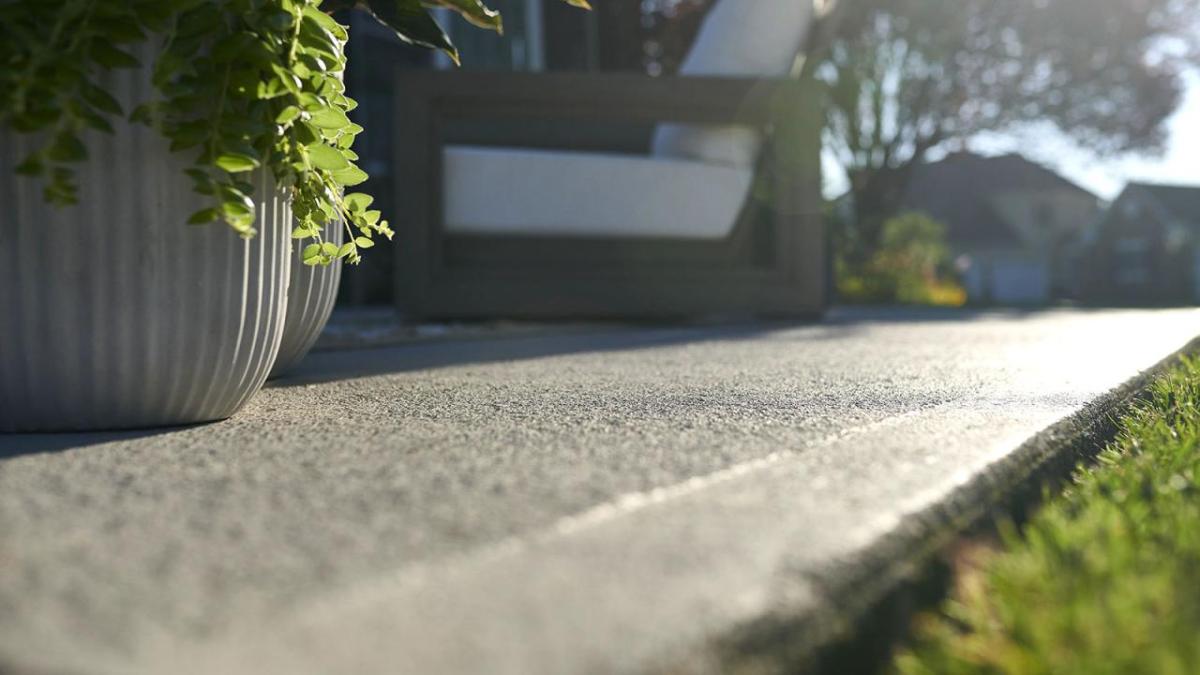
(110, 57)
(66, 147)
(260, 54)
(35, 119)
(287, 78)
(204, 216)
(351, 176)
(143, 114)
(310, 101)
(197, 174)
(270, 89)
(235, 162)
(235, 209)
(317, 41)
(329, 248)
(231, 47)
(364, 242)
(357, 201)
(327, 158)
(203, 19)
(306, 134)
(156, 15)
(346, 249)
(100, 99)
(32, 166)
(329, 118)
(311, 251)
(119, 30)
(95, 120)
(326, 22)
(232, 194)
(475, 12)
(411, 22)
(282, 21)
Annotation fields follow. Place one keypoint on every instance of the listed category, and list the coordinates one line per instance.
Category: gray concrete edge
(842, 635)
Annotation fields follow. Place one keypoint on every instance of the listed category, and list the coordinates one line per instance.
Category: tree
(909, 76)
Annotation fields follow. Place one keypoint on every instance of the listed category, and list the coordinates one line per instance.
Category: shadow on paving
(349, 364)
(840, 323)
(17, 445)
(338, 365)
(416, 356)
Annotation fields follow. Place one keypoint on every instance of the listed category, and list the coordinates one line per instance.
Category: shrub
(911, 266)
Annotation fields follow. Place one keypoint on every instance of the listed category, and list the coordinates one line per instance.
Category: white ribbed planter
(115, 314)
(312, 293)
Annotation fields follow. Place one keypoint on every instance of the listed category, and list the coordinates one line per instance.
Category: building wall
(1045, 217)
(1036, 270)
(1047, 222)
(1139, 257)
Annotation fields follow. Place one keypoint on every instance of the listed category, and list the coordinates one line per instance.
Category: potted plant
(120, 120)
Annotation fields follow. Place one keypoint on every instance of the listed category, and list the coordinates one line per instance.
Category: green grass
(1105, 578)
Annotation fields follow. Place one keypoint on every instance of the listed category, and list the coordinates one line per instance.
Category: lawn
(1105, 578)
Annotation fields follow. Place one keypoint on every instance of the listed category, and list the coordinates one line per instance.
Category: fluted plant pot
(312, 292)
(115, 314)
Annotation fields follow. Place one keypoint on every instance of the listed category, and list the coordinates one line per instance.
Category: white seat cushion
(739, 38)
(538, 192)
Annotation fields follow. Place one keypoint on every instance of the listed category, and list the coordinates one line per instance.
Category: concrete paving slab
(627, 500)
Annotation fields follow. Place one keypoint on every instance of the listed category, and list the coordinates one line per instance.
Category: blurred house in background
(1009, 223)
(1145, 250)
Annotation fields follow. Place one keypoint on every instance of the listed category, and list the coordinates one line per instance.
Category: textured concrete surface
(627, 500)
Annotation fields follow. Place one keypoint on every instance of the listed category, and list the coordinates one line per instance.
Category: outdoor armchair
(519, 198)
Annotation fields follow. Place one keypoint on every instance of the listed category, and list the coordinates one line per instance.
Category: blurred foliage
(910, 266)
(908, 76)
(1104, 579)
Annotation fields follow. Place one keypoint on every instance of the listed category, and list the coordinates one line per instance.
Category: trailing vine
(242, 85)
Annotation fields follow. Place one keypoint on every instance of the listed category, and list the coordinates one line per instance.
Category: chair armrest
(428, 103)
(605, 97)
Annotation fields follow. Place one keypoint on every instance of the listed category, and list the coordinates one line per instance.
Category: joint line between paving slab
(623, 505)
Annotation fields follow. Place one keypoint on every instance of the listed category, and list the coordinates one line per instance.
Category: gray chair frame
(774, 263)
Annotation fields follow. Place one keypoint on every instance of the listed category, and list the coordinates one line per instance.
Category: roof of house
(1181, 201)
(958, 191)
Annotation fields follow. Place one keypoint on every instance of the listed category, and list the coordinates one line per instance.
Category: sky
(1179, 165)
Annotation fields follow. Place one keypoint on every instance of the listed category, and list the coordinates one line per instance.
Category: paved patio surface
(621, 500)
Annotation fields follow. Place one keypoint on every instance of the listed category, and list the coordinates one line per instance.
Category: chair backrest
(739, 38)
